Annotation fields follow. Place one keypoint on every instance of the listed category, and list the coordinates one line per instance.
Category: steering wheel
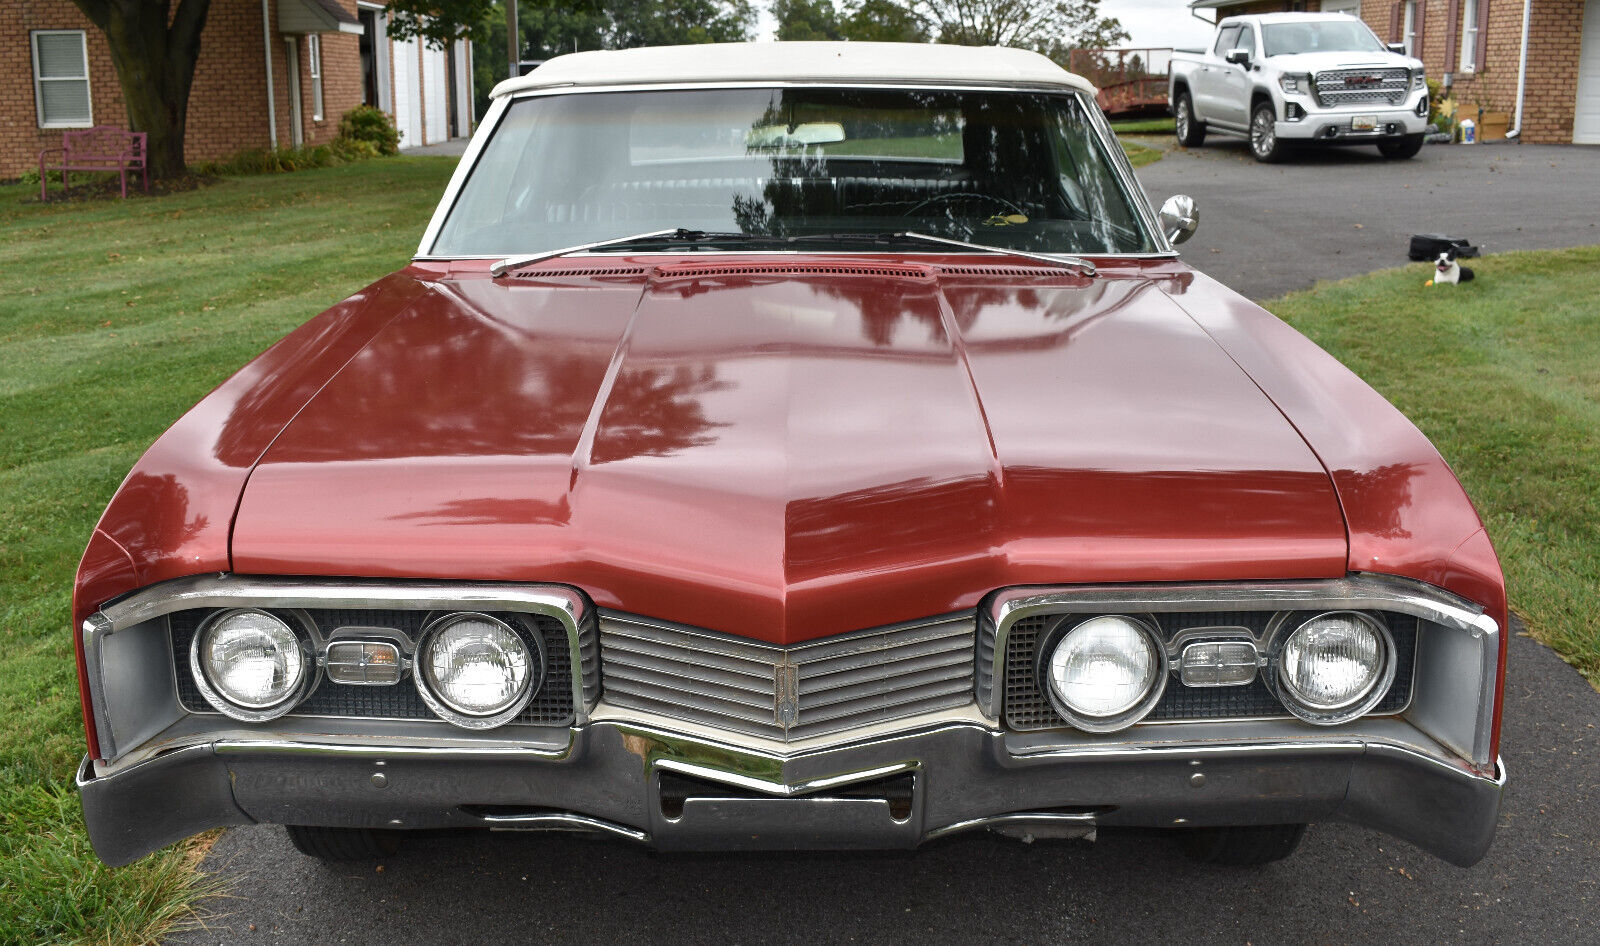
(990, 199)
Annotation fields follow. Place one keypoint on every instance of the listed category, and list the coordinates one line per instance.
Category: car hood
(790, 450)
(1318, 62)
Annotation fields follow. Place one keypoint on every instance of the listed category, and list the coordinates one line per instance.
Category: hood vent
(591, 272)
(1011, 272)
(878, 270)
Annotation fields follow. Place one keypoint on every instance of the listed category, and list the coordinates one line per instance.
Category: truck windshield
(1020, 170)
(1325, 36)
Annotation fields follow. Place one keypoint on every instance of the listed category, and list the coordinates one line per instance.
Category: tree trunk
(154, 52)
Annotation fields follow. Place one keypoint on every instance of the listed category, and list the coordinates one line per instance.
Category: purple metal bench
(101, 148)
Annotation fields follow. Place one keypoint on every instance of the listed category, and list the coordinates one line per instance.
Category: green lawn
(1503, 373)
(1144, 126)
(1139, 154)
(115, 317)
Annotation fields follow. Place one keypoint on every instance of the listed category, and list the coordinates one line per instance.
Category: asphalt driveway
(1265, 230)
(1270, 229)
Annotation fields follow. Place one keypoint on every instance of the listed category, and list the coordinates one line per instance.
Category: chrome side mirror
(1179, 218)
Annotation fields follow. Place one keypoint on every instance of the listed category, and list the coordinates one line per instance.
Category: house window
(314, 65)
(1469, 36)
(61, 78)
(1408, 34)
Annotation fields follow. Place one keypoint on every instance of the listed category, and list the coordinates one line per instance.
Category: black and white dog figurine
(1450, 271)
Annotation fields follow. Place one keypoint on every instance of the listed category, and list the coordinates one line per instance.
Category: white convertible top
(851, 62)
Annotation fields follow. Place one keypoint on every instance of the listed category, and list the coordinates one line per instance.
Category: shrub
(367, 125)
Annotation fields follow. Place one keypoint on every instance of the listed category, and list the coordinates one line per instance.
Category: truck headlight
(250, 664)
(476, 671)
(1419, 79)
(1295, 84)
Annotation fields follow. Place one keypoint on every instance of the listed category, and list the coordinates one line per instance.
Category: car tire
(1265, 145)
(1401, 148)
(1243, 845)
(343, 844)
(1190, 131)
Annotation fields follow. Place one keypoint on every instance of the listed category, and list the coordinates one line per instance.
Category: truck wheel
(343, 844)
(1243, 846)
(1191, 133)
(1402, 148)
(1264, 141)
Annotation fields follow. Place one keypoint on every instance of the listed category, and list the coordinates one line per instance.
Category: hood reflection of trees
(454, 382)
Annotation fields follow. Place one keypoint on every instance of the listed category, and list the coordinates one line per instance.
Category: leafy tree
(677, 22)
(1035, 24)
(154, 49)
(883, 21)
(437, 22)
(800, 20)
(549, 28)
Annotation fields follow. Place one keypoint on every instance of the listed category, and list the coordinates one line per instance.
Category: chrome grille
(787, 693)
(1362, 86)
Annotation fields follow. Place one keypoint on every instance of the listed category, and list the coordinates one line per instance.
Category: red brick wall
(1553, 42)
(227, 102)
(21, 138)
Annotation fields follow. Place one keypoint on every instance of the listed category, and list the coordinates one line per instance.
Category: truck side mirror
(1239, 57)
(1397, 48)
(1179, 218)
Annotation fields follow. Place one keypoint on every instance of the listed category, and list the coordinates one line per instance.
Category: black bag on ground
(1426, 246)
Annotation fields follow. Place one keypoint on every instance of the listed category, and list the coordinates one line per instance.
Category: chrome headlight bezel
(309, 672)
(1295, 83)
(450, 712)
(1102, 724)
(1286, 625)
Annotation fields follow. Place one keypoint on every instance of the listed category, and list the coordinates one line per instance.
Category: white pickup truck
(1283, 79)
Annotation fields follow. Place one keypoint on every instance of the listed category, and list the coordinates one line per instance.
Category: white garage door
(434, 86)
(407, 94)
(1586, 120)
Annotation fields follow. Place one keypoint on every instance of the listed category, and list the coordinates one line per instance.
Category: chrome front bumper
(1317, 125)
(961, 774)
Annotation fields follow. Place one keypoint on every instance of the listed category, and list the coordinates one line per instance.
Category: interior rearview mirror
(794, 136)
(1179, 218)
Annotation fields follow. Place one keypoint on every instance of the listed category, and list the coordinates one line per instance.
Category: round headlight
(476, 671)
(1334, 667)
(249, 664)
(1105, 673)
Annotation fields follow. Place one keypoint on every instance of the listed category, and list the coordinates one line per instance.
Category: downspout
(1522, 70)
(272, 102)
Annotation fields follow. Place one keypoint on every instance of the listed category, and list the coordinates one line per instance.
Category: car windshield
(1006, 169)
(1319, 36)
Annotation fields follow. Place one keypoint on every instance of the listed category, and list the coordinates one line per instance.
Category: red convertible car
(793, 446)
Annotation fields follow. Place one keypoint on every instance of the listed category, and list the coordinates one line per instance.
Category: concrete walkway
(454, 148)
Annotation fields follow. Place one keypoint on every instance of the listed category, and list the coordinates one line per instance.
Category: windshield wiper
(676, 235)
(902, 236)
(683, 235)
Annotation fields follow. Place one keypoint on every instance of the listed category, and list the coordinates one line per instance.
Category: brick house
(1475, 46)
(270, 72)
